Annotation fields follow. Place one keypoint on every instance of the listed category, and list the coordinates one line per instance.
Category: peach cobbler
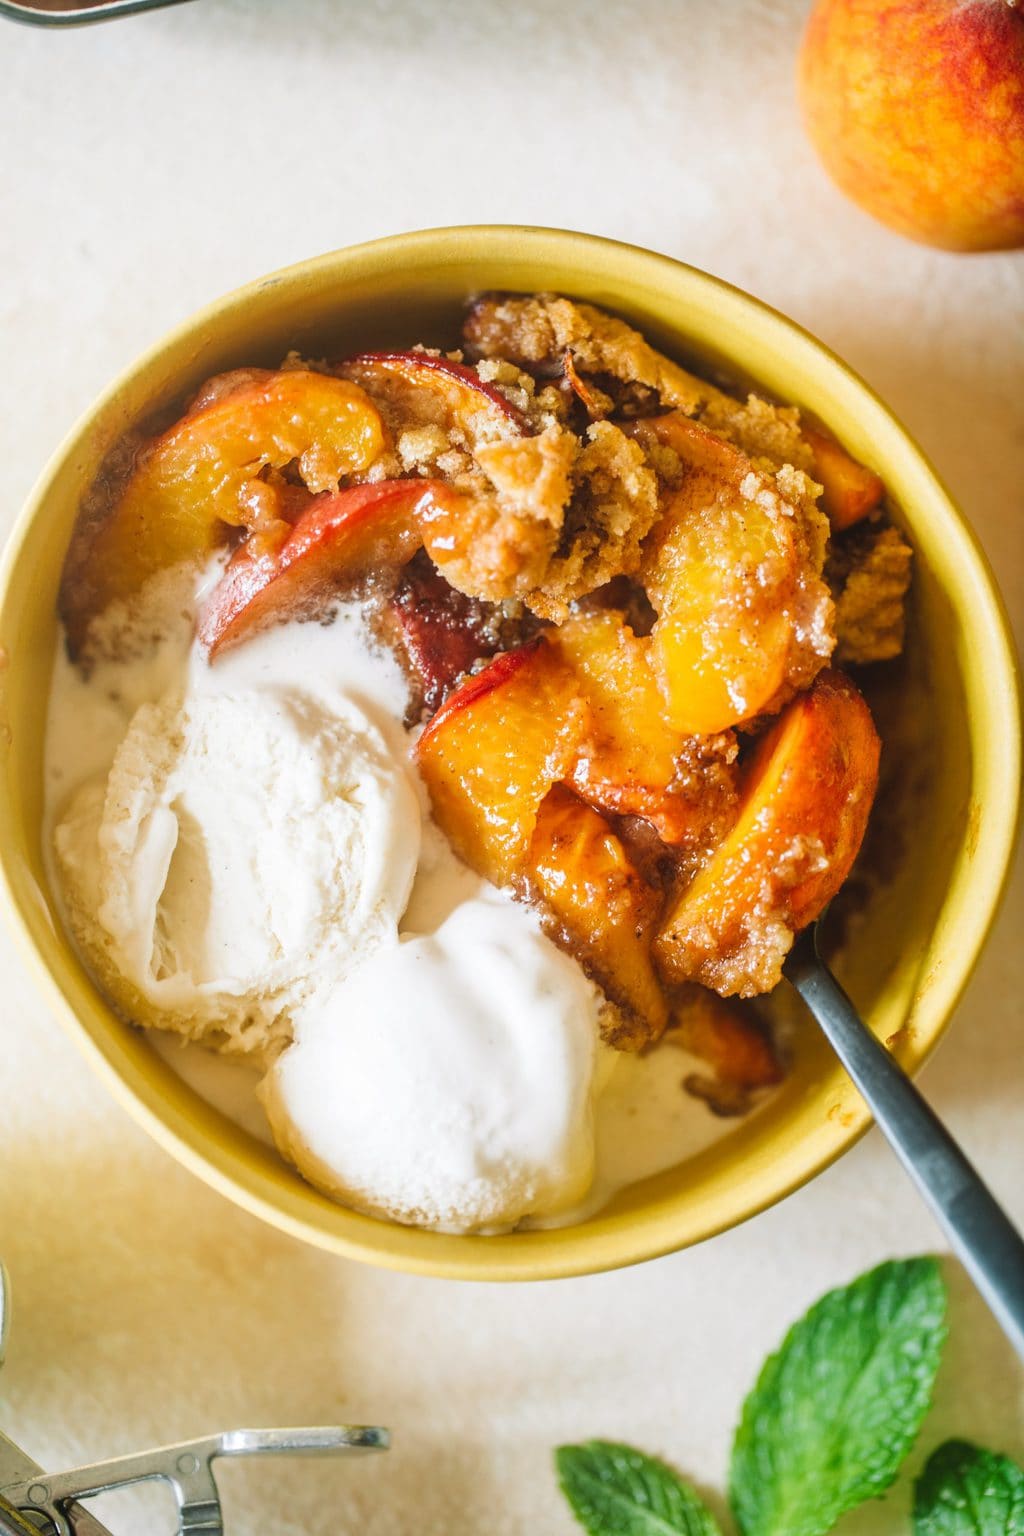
(565, 759)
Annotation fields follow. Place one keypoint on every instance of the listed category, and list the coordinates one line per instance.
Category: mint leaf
(837, 1408)
(965, 1491)
(616, 1491)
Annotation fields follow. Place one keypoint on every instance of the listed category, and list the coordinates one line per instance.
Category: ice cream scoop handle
(979, 1230)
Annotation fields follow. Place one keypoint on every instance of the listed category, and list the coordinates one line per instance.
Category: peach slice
(484, 547)
(721, 568)
(337, 538)
(602, 910)
(627, 763)
(494, 749)
(189, 482)
(849, 489)
(728, 1035)
(805, 802)
(458, 391)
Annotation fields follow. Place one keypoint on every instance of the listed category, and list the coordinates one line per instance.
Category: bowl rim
(653, 1237)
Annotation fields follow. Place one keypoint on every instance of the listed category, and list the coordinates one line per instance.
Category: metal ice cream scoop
(33, 1501)
(72, 13)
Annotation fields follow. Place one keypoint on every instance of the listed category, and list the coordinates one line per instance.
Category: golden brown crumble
(541, 330)
(538, 331)
(610, 514)
(870, 573)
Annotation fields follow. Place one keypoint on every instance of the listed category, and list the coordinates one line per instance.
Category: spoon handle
(979, 1230)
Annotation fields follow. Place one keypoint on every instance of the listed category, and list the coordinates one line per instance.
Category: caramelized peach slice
(628, 762)
(337, 538)
(612, 667)
(492, 752)
(484, 547)
(188, 483)
(729, 1036)
(602, 909)
(723, 568)
(805, 802)
(456, 393)
(849, 490)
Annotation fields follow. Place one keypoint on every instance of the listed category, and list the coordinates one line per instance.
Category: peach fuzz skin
(341, 534)
(916, 108)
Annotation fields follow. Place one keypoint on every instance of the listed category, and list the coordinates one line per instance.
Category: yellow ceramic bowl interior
(949, 714)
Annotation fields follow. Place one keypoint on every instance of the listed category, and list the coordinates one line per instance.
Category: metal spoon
(979, 1230)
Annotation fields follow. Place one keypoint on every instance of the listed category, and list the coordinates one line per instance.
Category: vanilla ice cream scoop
(246, 850)
(447, 1082)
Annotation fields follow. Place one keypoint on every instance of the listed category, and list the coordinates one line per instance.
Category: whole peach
(916, 108)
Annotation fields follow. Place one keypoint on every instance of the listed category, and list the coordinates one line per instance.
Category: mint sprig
(827, 1425)
(614, 1490)
(837, 1408)
(966, 1491)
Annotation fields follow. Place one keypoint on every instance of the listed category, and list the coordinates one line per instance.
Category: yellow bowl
(954, 733)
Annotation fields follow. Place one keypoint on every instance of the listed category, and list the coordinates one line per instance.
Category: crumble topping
(870, 573)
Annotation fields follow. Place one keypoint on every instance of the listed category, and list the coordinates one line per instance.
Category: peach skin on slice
(593, 400)
(603, 912)
(849, 490)
(441, 631)
(188, 483)
(628, 762)
(458, 393)
(338, 537)
(722, 568)
(805, 801)
(494, 749)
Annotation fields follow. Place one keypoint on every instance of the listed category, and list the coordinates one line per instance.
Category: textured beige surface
(152, 163)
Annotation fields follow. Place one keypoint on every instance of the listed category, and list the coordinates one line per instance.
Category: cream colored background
(146, 166)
